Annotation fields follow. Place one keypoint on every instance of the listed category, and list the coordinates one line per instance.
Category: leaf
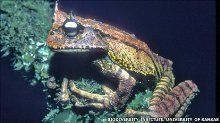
(4, 48)
(6, 53)
(18, 65)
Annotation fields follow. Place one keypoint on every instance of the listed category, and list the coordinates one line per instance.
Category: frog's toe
(63, 97)
(72, 85)
(92, 105)
(74, 99)
(78, 104)
(133, 113)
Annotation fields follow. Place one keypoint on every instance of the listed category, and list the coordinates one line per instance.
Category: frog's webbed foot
(166, 101)
(111, 99)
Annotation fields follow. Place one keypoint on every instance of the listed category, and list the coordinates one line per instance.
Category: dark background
(178, 30)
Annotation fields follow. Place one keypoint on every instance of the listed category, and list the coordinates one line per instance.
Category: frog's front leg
(111, 99)
(166, 101)
(99, 101)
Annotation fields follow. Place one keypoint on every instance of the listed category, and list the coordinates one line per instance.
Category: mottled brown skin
(128, 59)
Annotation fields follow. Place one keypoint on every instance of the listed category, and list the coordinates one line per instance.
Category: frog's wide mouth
(80, 50)
(72, 50)
(73, 46)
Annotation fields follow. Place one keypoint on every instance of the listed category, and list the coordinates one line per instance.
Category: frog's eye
(70, 28)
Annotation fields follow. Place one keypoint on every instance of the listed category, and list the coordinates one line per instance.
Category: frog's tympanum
(127, 59)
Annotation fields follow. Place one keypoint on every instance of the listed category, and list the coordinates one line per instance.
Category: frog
(127, 59)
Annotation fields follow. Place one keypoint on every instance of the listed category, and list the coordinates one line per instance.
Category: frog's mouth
(83, 45)
(80, 50)
(72, 50)
(76, 46)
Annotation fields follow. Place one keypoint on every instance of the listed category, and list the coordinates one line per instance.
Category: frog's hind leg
(184, 107)
(174, 103)
(111, 99)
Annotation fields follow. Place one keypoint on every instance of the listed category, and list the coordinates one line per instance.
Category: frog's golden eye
(71, 28)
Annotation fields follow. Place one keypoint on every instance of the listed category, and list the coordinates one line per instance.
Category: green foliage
(51, 115)
(24, 27)
(141, 101)
(65, 116)
(89, 85)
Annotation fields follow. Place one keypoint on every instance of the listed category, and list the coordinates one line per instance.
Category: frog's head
(69, 35)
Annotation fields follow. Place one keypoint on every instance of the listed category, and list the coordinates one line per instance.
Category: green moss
(89, 85)
(24, 27)
(141, 101)
(51, 115)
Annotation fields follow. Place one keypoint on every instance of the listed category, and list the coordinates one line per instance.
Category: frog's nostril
(52, 33)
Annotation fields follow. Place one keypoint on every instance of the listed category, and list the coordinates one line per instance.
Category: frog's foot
(100, 101)
(64, 94)
(75, 100)
(173, 103)
(111, 99)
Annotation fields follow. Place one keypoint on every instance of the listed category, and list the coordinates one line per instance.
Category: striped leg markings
(174, 103)
(178, 102)
(160, 107)
(184, 107)
(185, 89)
(166, 101)
(163, 87)
(190, 90)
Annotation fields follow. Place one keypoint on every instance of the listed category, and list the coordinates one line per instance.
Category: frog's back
(114, 32)
(125, 49)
